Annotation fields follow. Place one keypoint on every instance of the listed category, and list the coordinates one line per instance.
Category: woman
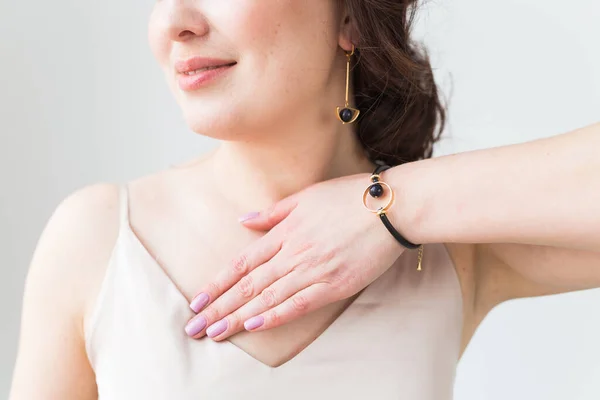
(106, 302)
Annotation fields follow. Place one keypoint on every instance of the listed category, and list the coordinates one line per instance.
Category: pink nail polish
(254, 322)
(195, 326)
(248, 216)
(217, 328)
(199, 302)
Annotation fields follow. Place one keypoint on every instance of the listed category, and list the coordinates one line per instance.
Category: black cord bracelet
(375, 189)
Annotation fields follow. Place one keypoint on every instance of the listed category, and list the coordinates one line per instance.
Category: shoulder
(87, 205)
(65, 271)
(84, 220)
(75, 245)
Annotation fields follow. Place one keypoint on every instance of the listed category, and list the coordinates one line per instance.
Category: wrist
(406, 212)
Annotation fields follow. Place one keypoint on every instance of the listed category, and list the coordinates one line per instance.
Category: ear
(347, 31)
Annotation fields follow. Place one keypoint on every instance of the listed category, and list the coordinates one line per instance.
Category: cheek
(285, 50)
(292, 46)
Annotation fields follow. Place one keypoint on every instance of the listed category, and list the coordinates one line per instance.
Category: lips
(196, 73)
(198, 63)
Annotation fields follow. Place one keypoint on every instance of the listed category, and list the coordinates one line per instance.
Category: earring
(347, 114)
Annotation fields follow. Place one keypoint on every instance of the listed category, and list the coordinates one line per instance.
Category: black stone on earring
(376, 190)
(346, 114)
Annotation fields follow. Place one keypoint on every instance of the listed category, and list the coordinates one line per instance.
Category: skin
(515, 254)
(290, 58)
(274, 108)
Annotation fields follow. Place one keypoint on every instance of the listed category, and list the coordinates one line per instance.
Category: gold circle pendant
(380, 209)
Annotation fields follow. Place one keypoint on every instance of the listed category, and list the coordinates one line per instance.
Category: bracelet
(375, 189)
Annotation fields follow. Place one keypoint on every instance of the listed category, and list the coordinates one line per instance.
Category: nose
(184, 20)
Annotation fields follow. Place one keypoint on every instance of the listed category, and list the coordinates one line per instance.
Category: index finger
(257, 253)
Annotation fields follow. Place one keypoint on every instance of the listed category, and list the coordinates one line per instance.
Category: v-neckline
(185, 303)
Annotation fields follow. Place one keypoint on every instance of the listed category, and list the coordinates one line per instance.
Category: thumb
(267, 219)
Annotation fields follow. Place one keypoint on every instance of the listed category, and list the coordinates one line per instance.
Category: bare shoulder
(77, 241)
(65, 272)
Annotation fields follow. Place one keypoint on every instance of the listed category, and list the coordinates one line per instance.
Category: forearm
(544, 192)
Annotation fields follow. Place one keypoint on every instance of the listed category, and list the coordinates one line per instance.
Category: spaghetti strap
(124, 205)
(137, 324)
(106, 289)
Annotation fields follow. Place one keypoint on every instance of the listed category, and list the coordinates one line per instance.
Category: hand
(322, 246)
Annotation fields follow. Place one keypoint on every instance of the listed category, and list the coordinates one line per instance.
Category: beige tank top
(399, 339)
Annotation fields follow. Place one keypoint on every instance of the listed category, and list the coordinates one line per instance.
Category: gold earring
(347, 114)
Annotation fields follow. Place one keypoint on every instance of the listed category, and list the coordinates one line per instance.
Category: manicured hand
(322, 246)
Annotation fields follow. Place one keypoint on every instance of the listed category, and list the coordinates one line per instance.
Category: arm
(533, 210)
(64, 274)
(524, 219)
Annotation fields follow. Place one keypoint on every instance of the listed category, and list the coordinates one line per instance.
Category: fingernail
(199, 302)
(217, 328)
(254, 322)
(195, 326)
(248, 216)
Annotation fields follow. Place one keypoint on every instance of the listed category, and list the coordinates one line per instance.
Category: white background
(82, 101)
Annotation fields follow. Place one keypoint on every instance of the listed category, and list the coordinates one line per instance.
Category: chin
(224, 119)
(216, 125)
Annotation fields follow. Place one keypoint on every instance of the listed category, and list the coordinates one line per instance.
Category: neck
(281, 162)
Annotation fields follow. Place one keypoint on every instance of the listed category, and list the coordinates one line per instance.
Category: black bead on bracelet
(375, 189)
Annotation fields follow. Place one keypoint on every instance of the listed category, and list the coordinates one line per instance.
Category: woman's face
(286, 53)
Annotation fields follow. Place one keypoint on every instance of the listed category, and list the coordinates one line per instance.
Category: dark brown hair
(394, 86)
